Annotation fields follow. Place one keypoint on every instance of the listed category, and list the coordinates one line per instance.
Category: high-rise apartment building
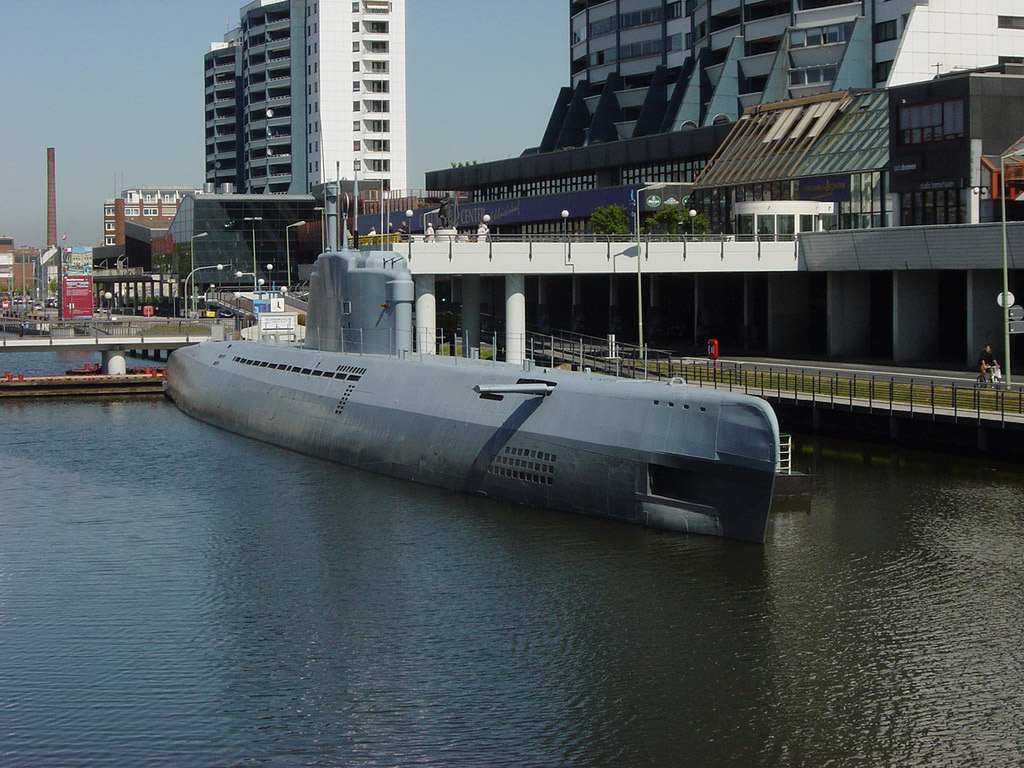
(642, 67)
(305, 90)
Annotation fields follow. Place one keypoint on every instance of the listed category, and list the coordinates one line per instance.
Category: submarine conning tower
(360, 302)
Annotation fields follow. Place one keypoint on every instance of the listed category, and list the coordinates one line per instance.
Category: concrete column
(114, 362)
(471, 310)
(543, 313)
(614, 313)
(915, 315)
(849, 314)
(515, 318)
(577, 304)
(788, 313)
(984, 315)
(426, 314)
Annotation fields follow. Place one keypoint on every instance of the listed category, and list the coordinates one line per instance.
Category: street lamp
(253, 219)
(408, 222)
(639, 277)
(240, 274)
(107, 297)
(693, 219)
(270, 275)
(288, 254)
(191, 276)
(1004, 299)
(192, 254)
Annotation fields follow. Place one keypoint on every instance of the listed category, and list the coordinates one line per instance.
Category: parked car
(225, 313)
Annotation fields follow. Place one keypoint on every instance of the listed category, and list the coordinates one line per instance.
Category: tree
(667, 221)
(609, 220)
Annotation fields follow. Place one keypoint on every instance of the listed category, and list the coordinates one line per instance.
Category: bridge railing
(838, 388)
(105, 329)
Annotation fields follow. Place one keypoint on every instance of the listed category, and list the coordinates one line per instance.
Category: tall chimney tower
(51, 197)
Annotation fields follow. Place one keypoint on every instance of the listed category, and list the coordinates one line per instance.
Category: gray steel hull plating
(673, 457)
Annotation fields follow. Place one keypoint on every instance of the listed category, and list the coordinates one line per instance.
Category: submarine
(662, 454)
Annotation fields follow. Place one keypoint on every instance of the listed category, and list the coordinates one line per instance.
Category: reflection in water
(172, 594)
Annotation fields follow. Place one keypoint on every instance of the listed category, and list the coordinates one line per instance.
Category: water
(171, 594)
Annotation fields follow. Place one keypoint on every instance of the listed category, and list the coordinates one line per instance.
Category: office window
(885, 30)
(936, 121)
(1011, 22)
(882, 69)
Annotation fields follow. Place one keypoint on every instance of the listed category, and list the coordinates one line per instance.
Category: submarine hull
(674, 457)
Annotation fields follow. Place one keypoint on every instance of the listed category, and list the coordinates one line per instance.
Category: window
(378, 86)
(377, 46)
(355, 66)
(1011, 22)
(355, 106)
(378, 145)
(150, 212)
(355, 26)
(882, 69)
(356, 86)
(885, 30)
(937, 121)
(355, 7)
(355, 47)
(108, 226)
(377, 27)
(355, 146)
(110, 240)
(131, 211)
(378, 106)
(356, 126)
(108, 211)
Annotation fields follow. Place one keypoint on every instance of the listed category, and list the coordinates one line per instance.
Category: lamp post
(693, 219)
(240, 274)
(639, 276)
(107, 297)
(408, 219)
(192, 255)
(253, 219)
(288, 254)
(191, 276)
(270, 275)
(1004, 299)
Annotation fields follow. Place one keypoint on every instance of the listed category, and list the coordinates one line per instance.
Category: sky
(116, 86)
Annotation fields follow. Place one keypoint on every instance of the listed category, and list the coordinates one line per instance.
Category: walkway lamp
(637, 200)
(288, 254)
(408, 219)
(693, 221)
(270, 275)
(191, 276)
(192, 254)
(240, 274)
(1014, 154)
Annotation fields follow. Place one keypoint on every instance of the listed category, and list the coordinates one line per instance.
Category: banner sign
(77, 296)
(834, 189)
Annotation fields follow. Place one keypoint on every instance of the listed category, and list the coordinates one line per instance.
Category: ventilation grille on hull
(525, 464)
(344, 399)
(344, 372)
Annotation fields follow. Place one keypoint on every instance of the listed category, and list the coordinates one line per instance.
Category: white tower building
(305, 90)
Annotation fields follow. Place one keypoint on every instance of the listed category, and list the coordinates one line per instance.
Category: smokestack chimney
(51, 197)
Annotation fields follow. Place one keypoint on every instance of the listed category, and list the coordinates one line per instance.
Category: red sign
(77, 296)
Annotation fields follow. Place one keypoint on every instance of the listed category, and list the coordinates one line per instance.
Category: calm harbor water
(171, 594)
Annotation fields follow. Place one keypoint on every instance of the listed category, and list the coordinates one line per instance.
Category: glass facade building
(245, 233)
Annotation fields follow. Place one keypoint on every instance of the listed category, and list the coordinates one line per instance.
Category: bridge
(112, 338)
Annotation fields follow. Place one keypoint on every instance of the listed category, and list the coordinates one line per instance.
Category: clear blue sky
(117, 87)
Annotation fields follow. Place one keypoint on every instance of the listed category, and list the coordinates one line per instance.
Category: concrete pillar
(788, 313)
(114, 362)
(915, 315)
(849, 314)
(471, 311)
(984, 316)
(577, 304)
(515, 318)
(543, 313)
(426, 314)
(614, 313)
